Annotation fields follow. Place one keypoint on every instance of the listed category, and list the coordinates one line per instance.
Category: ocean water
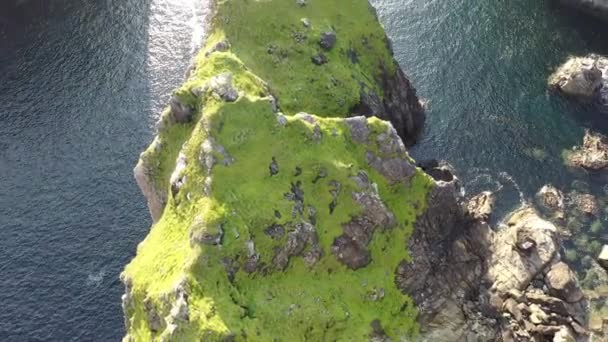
(82, 83)
(81, 86)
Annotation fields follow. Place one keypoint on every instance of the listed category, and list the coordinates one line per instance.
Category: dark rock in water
(400, 105)
(428, 164)
(598, 8)
(551, 199)
(328, 40)
(319, 59)
(181, 112)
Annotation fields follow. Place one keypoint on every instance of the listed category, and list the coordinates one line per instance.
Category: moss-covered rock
(271, 223)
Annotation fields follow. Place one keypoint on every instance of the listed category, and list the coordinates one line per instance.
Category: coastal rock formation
(581, 77)
(598, 8)
(592, 155)
(272, 223)
(551, 199)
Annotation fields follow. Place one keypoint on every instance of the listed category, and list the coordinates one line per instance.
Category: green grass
(326, 301)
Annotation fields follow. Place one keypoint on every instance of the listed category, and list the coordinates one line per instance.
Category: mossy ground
(326, 301)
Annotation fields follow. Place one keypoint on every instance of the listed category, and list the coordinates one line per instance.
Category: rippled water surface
(82, 83)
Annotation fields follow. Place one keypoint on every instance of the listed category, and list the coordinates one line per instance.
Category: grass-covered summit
(273, 224)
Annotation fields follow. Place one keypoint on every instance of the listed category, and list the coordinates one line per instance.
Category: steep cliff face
(271, 223)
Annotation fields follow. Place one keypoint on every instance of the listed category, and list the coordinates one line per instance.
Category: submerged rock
(592, 155)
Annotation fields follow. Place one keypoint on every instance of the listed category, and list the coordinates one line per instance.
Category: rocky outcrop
(551, 200)
(400, 106)
(592, 155)
(597, 8)
(475, 283)
(581, 77)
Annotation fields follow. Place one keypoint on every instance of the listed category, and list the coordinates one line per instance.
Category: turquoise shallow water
(483, 66)
(81, 84)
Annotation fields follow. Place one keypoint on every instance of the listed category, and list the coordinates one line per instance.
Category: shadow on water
(76, 108)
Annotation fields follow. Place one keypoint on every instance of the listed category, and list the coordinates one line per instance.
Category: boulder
(222, 86)
(328, 40)
(593, 155)
(480, 206)
(579, 77)
(563, 284)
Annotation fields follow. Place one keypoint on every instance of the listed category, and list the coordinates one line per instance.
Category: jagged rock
(552, 199)
(181, 113)
(593, 155)
(602, 259)
(303, 235)
(178, 179)
(358, 129)
(328, 40)
(562, 283)
(274, 167)
(480, 206)
(221, 85)
(400, 105)
(154, 321)
(578, 77)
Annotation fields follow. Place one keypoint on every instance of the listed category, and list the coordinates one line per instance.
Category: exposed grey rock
(181, 112)
(221, 85)
(152, 317)
(303, 234)
(350, 248)
(480, 206)
(178, 179)
(305, 22)
(579, 77)
(274, 167)
(328, 40)
(221, 46)
(593, 155)
(302, 3)
(358, 129)
(319, 59)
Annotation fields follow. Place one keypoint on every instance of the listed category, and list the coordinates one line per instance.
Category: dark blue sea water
(82, 82)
